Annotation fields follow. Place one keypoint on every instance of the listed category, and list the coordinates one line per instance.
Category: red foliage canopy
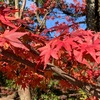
(27, 57)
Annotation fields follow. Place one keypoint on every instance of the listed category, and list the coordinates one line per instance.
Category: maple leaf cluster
(81, 48)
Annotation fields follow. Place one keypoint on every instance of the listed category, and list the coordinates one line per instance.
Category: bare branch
(22, 8)
(38, 18)
(43, 20)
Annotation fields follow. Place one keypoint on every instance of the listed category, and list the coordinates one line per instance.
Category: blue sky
(69, 1)
(51, 23)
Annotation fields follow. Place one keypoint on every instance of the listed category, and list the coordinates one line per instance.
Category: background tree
(93, 15)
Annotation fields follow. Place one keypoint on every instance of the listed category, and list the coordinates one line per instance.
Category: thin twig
(43, 20)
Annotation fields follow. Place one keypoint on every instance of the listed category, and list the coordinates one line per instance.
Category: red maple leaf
(46, 52)
(12, 38)
(5, 20)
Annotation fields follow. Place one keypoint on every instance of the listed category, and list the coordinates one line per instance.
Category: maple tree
(31, 58)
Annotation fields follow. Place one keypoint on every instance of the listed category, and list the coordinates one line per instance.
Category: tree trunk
(24, 94)
(93, 15)
(17, 7)
(99, 13)
(8, 1)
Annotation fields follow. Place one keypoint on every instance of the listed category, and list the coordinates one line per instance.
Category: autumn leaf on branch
(12, 37)
(47, 52)
(6, 19)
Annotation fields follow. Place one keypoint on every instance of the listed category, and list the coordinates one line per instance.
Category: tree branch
(94, 90)
(22, 8)
(89, 88)
(17, 58)
(43, 20)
